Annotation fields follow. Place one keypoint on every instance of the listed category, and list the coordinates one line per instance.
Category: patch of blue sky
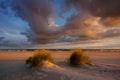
(62, 20)
(63, 16)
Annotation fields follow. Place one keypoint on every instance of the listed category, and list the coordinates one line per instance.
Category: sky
(59, 24)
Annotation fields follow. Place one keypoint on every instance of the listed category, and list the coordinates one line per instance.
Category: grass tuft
(39, 58)
(78, 58)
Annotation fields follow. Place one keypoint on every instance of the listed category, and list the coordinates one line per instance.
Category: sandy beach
(105, 66)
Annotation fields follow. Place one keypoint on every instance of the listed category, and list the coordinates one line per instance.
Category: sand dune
(106, 66)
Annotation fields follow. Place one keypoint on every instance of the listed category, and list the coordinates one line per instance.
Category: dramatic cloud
(39, 14)
(84, 27)
(108, 10)
(92, 17)
(83, 20)
(86, 22)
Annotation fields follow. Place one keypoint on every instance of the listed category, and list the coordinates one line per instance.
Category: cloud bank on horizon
(34, 22)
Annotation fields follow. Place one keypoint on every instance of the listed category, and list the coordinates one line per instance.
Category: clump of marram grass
(39, 58)
(78, 58)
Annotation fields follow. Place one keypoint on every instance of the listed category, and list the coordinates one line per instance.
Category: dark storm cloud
(104, 8)
(89, 21)
(108, 10)
(38, 14)
(92, 17)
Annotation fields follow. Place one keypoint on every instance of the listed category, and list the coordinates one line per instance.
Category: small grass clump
(39, 58)
(78, 58)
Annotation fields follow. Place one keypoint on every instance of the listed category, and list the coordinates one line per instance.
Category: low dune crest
(66, 73)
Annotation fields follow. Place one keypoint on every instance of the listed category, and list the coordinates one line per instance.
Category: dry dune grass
(78, 58)
(38, 59)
